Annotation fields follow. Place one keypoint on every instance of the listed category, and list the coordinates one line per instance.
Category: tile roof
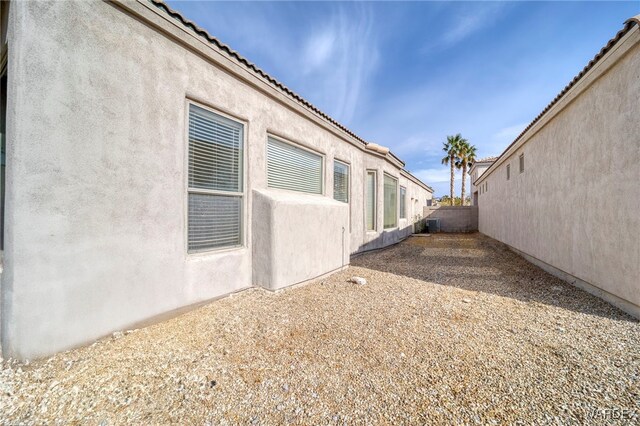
(203, 33)
(628, 25)
(486, 159)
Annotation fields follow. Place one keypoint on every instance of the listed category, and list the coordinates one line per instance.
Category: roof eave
(628, 26)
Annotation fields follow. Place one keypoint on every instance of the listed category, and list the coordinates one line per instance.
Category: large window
(403, 202)
(215, 180)
(340, 181)
(371, 200)
(293, 168)
(390, 201)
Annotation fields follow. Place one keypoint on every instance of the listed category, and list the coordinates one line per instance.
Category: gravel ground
(448, 329)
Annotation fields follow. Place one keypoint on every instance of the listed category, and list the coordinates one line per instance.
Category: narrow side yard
(448, 329)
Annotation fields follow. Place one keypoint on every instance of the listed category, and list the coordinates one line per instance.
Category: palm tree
(466, 158)
(451, 147)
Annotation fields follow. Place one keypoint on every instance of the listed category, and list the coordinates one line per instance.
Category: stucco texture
(96, 176)
(575, 206)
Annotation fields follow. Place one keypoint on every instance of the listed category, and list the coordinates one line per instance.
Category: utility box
(433, 225)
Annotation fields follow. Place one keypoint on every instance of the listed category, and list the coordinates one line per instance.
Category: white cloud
(318, 49)
(338, 59)
(508, 134)
(329, 62)
(439, 179)
(466, 22)
(441, 174)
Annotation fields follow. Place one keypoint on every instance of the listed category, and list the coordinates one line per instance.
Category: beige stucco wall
(454, 218)
(576, 207)
(297, 237)
(96, 176)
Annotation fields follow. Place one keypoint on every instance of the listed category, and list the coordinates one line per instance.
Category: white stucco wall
(297, 237)
(96, 176)
(576, 206)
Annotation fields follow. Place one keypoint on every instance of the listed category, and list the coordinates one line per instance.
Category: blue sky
(407, 74)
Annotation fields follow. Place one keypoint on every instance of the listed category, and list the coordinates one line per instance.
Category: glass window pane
(214, 221)
(340, 182)
(215, 151)
(390, 202)
(293, 168)
(371, 201)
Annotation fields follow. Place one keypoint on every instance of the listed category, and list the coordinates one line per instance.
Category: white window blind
(340, 181)
(371, 201)
(403, 204)
(293, 168)
(390, 201)
(215, 180)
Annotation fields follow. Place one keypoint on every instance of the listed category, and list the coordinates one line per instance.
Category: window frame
(375, 199)
(348, 166)
(508, 171)
(397, 220)
(521, 162)
(287, 141)
(403, 202)
(188, 190)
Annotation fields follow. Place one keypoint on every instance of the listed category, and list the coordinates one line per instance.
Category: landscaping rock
(518, 354)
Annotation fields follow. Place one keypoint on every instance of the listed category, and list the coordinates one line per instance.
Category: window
(215, 188)
(340, 181)
(293, 168)
(403, 204)
(508, 171)
(390, 202)
(371, 200)
(521, 163)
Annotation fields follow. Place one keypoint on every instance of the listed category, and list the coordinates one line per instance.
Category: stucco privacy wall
(575, 206)
(454, 218)
(96, 175)
(287, 224)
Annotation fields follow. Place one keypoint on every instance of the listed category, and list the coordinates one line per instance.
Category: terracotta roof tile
(486, 159)
(203, 33)
(628, 24)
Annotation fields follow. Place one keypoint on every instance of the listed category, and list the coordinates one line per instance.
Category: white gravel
(448, 329)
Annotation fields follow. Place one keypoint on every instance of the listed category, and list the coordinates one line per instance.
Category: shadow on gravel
(478, 263)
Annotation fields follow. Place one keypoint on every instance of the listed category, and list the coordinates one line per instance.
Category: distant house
(476, 170)
(150, 167)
